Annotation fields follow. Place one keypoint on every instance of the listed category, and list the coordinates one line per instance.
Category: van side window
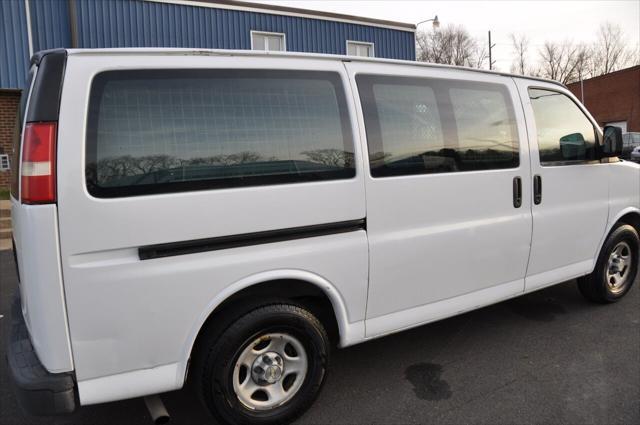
(565, 134)
(157, 131)
(422, 126)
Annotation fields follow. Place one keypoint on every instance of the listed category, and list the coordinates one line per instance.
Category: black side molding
(47, 88)
(247, 239)
(39, 392)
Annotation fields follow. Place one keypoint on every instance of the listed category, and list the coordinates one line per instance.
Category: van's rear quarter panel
(126, 314)
(35, 233)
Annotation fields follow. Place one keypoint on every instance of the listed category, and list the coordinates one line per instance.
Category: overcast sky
(540, 20)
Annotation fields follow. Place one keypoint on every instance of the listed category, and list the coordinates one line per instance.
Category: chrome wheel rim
(618, 268)
(269, 371)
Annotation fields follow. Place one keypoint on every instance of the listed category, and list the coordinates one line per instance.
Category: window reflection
(236, 128)
(417, 126)
(564, 132)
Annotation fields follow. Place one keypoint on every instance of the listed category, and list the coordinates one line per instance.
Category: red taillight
(38, 168)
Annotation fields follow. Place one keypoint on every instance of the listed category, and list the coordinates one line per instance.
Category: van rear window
(177, 130)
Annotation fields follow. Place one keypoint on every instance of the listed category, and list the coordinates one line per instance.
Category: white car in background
(635, 154)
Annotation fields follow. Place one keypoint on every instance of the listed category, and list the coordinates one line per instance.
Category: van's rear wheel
(616, 268)
(266, 368)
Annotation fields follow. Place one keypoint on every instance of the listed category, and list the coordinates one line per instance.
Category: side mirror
(612, 144)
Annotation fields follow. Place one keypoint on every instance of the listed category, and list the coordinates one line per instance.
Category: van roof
(256, 53)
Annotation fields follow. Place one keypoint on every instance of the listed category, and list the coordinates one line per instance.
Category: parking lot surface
(546, 358)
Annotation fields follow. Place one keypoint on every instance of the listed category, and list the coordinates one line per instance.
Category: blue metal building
(32, 25)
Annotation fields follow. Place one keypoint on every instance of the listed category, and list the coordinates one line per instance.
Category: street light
(436, 22)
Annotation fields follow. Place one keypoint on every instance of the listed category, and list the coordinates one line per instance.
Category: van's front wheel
(616, 268)
(266, 368)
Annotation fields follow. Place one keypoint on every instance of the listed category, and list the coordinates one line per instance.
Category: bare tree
(331, 157)
(564, 62)
(520, 45)
(480, 56)
(583, 59)
(550, 57)
(246, 157)
(635, 56)
(451, 45)
(568, 62)
(610, 52)
(151, 163)
(423, 46)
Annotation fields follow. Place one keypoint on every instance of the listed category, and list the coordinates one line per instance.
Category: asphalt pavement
(549, 357)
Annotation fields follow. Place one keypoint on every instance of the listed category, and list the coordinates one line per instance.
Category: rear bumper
(39, 392)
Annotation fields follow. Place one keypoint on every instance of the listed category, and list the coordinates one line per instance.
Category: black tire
(220, 351)
(595, 287)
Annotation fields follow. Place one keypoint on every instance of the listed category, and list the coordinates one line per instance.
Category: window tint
(418, 125)
(171, 130)
(409, 122)
(564, 132)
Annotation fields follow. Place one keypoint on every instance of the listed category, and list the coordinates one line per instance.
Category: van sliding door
(448, 215)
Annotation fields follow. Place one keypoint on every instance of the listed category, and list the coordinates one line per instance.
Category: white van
(224, 217)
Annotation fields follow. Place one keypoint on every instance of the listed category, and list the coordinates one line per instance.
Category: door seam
(531, 204)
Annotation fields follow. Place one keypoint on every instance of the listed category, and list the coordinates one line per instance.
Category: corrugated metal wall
(124, 23)
(50, 24)
(138, 23)
(14, 44)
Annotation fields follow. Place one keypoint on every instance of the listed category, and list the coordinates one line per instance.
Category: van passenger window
(173, 130)
(565, 134)
(421, 126)
(408, 114)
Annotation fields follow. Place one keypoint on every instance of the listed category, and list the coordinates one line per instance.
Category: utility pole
(491, 46)
(581, 88)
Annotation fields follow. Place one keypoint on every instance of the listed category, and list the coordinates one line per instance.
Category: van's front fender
(614, 218)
